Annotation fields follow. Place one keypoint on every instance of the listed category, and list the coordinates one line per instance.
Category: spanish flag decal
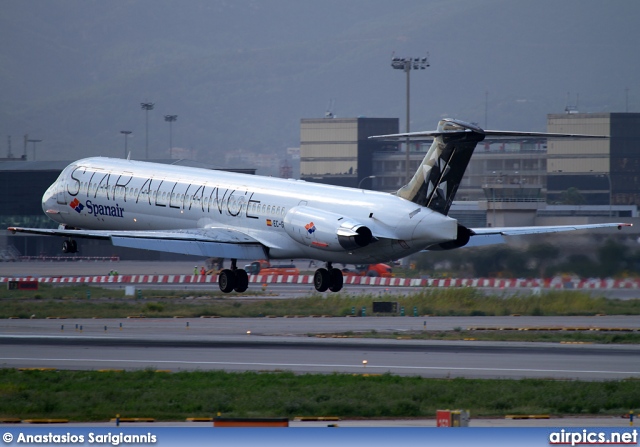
(269, 222)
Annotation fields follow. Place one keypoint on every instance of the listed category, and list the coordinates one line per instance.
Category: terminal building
(604, 171)
(338, 151)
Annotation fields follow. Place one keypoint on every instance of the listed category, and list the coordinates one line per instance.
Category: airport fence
(495, 283)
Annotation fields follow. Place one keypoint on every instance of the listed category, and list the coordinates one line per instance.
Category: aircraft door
(61, 187)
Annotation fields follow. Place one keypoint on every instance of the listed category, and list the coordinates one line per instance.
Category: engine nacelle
(325, 230)
(464, 234)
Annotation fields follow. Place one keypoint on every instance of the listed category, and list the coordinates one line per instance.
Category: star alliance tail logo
(310, 227)
(76, 205)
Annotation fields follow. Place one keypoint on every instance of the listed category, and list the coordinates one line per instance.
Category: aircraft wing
(208, 242)
(495, 235)
(518, 231)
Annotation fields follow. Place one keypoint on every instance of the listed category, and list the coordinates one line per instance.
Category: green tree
(613, 258)
(489, 261)
(580, 265)
(572, 196)
(542, 254)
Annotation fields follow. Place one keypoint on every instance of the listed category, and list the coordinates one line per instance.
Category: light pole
(170, 119)
(608, 176)
(407, 64)
(360, 183)
(34, 147)
(610, 193)
(146, 106)
(126, 134)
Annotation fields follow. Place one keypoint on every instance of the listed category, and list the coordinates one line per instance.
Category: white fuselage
(116, 194)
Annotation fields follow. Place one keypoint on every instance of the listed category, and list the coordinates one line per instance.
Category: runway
(282, 344)
(265, 344)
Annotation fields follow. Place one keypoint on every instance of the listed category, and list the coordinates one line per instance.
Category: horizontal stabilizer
(497, 134)
(489, 135)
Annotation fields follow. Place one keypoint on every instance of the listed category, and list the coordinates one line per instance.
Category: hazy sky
(240, 74)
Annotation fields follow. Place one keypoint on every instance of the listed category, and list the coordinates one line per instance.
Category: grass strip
(72, 302)
(99, 396)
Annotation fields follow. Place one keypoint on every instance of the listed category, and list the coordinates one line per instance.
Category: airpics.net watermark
(588, 437)
(115, 439)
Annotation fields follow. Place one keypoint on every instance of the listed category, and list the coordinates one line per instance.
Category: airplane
(197, 211)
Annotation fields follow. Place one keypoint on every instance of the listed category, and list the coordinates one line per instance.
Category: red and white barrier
(496, 283)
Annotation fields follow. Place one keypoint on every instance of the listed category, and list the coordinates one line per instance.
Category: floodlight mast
(146, 106)
(170, 119)
(407, 64)
(34, 147)
(126, 134)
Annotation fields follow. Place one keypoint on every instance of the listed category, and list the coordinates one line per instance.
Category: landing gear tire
(321, 280)
(336, 280)
(328, 279)
(69, 246)
(226, 280)
(242, 280)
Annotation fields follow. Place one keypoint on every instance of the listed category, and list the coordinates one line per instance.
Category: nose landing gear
(70, 246)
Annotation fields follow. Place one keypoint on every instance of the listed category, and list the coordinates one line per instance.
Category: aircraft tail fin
(435, 183)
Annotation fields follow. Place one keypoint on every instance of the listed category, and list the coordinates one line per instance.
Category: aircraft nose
(50, 205)
(48, 198)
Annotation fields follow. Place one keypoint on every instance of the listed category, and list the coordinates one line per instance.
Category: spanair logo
(97, 210)
(310, 227)
(76, 205)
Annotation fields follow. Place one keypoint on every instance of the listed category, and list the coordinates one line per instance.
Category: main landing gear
(233, 279)
(69, 246)
(328, 279)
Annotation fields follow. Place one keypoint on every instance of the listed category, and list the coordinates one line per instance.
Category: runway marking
(320, 365)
